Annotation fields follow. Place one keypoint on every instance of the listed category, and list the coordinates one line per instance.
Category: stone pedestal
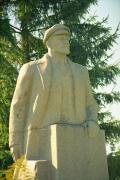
(74, 155)
(40, 170)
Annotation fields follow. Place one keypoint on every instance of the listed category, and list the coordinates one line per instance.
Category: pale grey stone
(76, 156)
(54, 90)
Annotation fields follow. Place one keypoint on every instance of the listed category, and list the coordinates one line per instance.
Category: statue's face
(59, 43)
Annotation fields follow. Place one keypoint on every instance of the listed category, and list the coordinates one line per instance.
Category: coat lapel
(77, 87)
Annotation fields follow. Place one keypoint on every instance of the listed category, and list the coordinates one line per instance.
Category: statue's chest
(62, 73)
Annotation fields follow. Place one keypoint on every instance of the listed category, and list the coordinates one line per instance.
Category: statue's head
(57, 39)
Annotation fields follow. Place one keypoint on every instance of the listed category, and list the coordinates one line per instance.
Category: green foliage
(90, 42)
(5, 155)
(5, 159)
(114, 127)
(3, 136)
(114, 166)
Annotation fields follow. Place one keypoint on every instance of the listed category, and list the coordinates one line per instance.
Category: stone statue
(51, 90)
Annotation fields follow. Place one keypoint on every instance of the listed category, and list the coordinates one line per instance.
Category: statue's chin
(66, 52)
(62, 52)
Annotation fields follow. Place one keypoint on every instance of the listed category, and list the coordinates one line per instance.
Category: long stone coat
(37, 100)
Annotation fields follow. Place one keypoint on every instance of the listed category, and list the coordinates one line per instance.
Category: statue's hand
(16, 152)
(92, 128)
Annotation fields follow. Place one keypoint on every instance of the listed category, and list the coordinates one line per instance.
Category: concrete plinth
(40, 170)
(75, 156)
(72, 155)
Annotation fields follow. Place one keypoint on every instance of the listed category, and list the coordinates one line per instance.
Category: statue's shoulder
(29, 64)
(28, 68)
(32, 64)
(79, 66)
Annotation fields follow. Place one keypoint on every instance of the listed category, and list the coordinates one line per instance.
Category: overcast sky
(111, 8)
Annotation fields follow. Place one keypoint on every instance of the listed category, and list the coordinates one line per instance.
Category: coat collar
(43, 59)
(46, 57)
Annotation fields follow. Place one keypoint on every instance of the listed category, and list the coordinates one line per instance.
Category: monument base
(40, 170)
(74, 156)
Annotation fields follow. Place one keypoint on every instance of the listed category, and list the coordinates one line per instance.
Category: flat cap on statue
(56, 29)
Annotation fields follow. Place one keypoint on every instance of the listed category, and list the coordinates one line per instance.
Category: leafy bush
(5, 161)
(114, 165)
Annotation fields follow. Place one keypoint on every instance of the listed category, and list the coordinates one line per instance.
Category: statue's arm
(19, 106)
(91, 110)
(91, 104)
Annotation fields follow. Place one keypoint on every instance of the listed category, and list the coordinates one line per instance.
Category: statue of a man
(51, 90)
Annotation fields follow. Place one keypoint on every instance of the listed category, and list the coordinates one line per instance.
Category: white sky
(111, 8)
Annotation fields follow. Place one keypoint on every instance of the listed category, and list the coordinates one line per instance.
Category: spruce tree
(90, 42)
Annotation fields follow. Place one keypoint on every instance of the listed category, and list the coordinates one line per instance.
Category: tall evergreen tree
(90, 42)
(8, 52)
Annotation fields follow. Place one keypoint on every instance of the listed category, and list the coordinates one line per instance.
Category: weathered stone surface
(40, 169)
(72, 155)
(50, 90)
(76, 156)
(55, 90)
